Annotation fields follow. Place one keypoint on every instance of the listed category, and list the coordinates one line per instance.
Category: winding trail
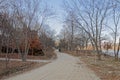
(66, 67)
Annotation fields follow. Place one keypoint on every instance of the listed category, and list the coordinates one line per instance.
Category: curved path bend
(66, 67)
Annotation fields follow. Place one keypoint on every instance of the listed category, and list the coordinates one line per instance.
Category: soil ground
(16, 67)
(106, 69)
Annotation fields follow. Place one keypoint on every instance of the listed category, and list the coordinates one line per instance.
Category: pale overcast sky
(56, 23)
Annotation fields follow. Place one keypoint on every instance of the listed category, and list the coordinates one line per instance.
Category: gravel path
(66, 67)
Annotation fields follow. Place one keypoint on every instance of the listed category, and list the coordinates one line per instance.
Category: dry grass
(49, 53)
(106, 69)
(16, 67)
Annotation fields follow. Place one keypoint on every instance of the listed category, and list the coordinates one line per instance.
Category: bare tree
(25, 12)
(6, 35)
(64, 37)
(115, 28)
(47, 37)
(2, 7)
(91, 17)
(26, 17)
(70, 23)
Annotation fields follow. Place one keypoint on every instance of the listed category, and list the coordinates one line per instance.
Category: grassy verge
(106, 69)
(17, 67)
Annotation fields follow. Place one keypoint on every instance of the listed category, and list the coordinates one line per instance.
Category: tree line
(91, 22)
(23, 26)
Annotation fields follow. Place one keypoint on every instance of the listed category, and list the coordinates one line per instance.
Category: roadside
(48, 54)
(15, 65)
(106, 69)
(65, 67)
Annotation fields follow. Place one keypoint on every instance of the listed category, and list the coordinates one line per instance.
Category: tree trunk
(117, 54)
(23, 57)
(98, 51)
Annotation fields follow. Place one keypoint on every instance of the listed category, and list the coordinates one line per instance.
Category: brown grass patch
(16, 67)
(106, 69)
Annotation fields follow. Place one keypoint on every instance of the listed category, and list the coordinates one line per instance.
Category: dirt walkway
(66, 67)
